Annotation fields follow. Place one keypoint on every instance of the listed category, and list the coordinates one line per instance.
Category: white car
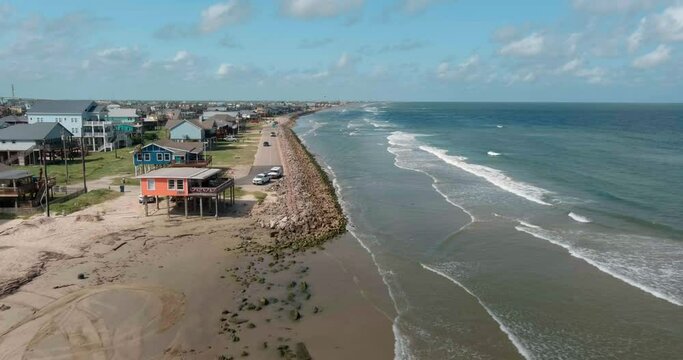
(275, 172)
(261, 179)
(230, 139)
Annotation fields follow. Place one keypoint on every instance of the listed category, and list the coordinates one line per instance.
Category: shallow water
(538, 231)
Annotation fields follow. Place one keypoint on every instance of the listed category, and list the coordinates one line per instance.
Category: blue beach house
(192, 130)
(164, 153)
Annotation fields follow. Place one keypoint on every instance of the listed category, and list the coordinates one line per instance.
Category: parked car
(272, 134)
(265, 143)
(150, 199)
(275, 172)
(261, 179)
(230, 138)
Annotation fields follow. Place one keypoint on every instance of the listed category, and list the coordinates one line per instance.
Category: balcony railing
(12, 191)
(226, 183)
(206, 161)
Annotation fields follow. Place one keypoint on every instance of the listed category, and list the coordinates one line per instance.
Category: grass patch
(260, 196)
(83, 201)
(97, 166)
(243, 152)
(7, 216)
(129, 181)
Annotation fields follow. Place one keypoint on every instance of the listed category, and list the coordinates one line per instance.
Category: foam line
(515, 341)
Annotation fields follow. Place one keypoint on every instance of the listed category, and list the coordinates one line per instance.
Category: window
(151, 184)
(160, 156)
(171, 184)
(167, 157)
(148, 156)
(139, 157)
(180, 184)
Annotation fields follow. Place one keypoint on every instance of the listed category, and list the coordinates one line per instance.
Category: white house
(81, 117)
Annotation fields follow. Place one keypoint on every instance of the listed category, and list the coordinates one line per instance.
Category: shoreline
(190, 288)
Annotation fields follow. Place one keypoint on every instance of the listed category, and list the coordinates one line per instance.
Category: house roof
(30, 132)
(60, 106)
(223, 120)
(123, 112)
(13, 119)
(189, 146)
(8, 173)
(206, 125)
(181, 173)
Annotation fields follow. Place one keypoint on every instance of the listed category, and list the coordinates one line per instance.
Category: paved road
(266, 157)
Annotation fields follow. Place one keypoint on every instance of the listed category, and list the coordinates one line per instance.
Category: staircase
(17, 156)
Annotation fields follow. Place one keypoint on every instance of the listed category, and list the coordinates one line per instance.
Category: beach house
(163, 153)
(81, 117)
(29, 144)
(192, 130)
(198, 188)
(19, 188)
(124, 119)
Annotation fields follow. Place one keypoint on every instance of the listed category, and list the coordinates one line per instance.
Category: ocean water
(528, 231)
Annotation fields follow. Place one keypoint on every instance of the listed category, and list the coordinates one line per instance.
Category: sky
(384, 50)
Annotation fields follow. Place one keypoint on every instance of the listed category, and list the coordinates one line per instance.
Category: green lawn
(83, 201)
(97, 165)
(227, 154)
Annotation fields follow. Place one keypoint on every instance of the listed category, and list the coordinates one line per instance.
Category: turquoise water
(538, 231)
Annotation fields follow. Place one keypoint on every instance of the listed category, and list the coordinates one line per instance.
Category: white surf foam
(493, 153)
(515, 341)
(403, 138)
(494, 176)
(578, 218)
(499, 126)
(642, 262)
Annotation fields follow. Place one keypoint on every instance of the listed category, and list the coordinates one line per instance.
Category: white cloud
(595, 75)
(614, 6)
(416, 6)
(309, 9)
(345, 61)
(182, 56)
(657, 57)
(666, 26)
(531, 45)
(571, 66)
(219, 15)
(669, 24)
(466, 70)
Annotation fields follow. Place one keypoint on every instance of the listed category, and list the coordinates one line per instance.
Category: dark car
(265, 143)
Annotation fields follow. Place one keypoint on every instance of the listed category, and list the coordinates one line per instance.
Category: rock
(244, 353)
(294, 315)
(4, 307)
(81, 276)
(302, 352)
(251, 325)
(316, 310)
(264, 301)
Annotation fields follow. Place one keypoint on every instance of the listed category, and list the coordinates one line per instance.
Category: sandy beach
(109, 283)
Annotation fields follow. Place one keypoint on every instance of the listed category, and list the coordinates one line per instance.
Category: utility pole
(47, 183)
(66, 159)
(85, 185)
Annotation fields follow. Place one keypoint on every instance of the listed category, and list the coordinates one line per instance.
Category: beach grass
(97, 166)
(83, 201)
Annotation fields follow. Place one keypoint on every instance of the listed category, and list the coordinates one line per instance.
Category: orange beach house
(190, 185)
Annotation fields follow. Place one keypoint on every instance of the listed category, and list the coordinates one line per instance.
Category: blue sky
(425, 50)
